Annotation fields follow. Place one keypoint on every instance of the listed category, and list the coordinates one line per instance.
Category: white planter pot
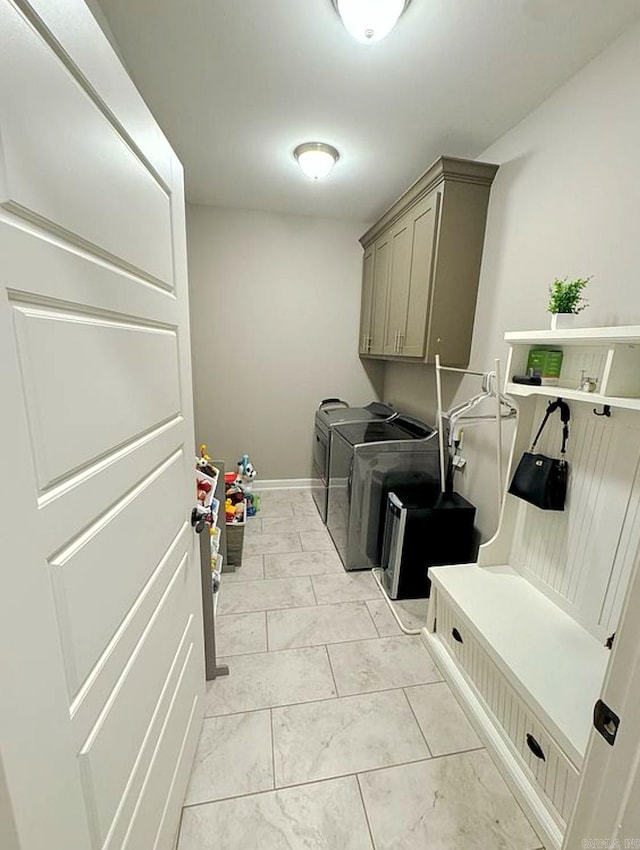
(563, 321)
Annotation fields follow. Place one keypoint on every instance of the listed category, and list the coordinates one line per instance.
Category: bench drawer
(538, 753)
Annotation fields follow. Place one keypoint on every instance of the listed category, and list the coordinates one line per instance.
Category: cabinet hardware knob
(535, 747)
(455, 634)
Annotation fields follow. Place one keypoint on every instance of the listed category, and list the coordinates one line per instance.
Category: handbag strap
(565, 416)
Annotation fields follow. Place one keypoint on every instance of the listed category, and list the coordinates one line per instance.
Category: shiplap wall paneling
(582, 557)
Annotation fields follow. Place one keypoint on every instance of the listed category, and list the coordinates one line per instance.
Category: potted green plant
(566, 300)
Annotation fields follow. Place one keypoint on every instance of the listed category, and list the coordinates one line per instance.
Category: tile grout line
(325, 643)
(433, 758)
(273, 750)
(404, 691)
(311, 701)
(270, 791)
(375, 625)
(266, 631)
(333, 675)
(313, 645)
(300, 551)
(306, 605)
(384, 690)
(240, 580)
(366, 813)
(338, 776)
(295, 607)
(303, 784)
(354, 640)
(289, 552)
(313, 589)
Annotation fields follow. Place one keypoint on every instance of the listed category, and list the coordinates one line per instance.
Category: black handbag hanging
(541, 480)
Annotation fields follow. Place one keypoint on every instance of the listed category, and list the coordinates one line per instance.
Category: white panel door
(101, 656)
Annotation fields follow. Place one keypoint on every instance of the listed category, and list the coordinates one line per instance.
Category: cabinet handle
(535, 747)
(455, 634)
(401, 339)
(369, 342)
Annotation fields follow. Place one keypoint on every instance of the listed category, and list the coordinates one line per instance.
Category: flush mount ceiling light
(370, 20)
(316, 159)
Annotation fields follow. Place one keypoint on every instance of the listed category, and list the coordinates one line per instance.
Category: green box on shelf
(545, 362)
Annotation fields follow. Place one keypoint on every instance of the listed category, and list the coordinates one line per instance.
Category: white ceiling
(237, 84)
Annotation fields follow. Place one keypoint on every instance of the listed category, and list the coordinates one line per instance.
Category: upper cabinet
(366, 304)
(422, 265)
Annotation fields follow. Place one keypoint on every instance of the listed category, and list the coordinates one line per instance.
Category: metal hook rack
(491, 384)
(606, 410)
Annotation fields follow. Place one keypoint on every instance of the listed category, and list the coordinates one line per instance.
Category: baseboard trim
(523, 790)
(283, 484)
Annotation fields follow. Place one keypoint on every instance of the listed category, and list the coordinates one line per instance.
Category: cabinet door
(399, 282)
(424, 221)
(382, 251)
(366, 306)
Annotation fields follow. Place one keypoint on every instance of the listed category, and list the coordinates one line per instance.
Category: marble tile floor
(334, 730)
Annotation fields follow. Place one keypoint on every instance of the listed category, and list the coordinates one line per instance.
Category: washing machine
(368, 460)
(332, 412)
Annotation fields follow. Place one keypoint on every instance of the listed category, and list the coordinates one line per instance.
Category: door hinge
(606, 721)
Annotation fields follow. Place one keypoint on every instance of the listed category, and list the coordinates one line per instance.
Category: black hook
(606, 410)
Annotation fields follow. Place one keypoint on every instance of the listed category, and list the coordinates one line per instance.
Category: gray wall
(275, 306)
(98, 14)
(566, 201)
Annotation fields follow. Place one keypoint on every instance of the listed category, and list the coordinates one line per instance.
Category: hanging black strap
(565, 416)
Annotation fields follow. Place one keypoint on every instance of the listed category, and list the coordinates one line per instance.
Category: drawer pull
(535, 747)
(456, 635)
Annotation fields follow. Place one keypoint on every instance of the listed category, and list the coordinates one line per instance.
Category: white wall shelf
(596, 399)
(611, 355)
(577, 336)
